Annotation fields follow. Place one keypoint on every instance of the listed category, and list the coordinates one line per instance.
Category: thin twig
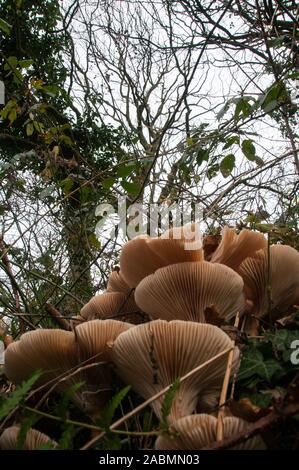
(222, 401)
(56, 315)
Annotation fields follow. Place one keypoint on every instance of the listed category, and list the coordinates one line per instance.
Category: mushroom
(33, 441)
(151, 356)
(280, 280)
(233, 248)
(116, 305)
(144, 255)
(196, 432)
(116, 283)
(191, 291)
(57, 352)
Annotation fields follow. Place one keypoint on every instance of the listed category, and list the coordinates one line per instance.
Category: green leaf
(107, 183)
(253, 363)
(243, 109)
(28, 421)
(25, 63)
(126, 170)
(131, 188)
(167, 403)
(109, 411)
(262, 400)
(202, 155)
(51, 90)
(11, 63)
(227, 165)
(18, 395)
(66, 438)
(234, 139)
(29, 129)
(273, 97)
(293, 76)
(66, 185)
(63, 405)
(12, 116)
(5, 27)
(249, 150)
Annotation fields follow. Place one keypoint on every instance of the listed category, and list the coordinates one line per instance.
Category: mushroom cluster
(160, 320)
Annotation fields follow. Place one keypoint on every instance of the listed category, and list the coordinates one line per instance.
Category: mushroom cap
(153, 355)
(56, 352)
(53, 351)
(199, 431)
(34, 439)
(234, 248)
(284, 280)
(119, 305)
(144, 255)
(116, 283)
(185, 291)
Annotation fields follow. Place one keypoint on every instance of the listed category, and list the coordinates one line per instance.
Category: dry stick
(222, 401)
(255, 428)
(60, 320)
(153, 398)
(269, 286)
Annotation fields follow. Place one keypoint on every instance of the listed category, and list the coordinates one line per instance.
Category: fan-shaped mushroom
(57, 352)
(33, 441)
(153, 355)
(189, 291)
(278, 282)
(116, 283)
(116, 305)
(144, 255)
(199, 431)
(234, 248)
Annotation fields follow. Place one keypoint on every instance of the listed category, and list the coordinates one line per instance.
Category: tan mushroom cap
(116, 305)
(199, 431)
(58, 351)
(33, 441)
(144, 255)
(186, 291)
(233, 248)
(284, 280)
(53, 351)
(153, 355)
(116, 283)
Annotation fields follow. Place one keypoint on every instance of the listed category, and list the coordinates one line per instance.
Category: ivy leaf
(167, 403)
(254, 363)
(227, 165)
(131, 188)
